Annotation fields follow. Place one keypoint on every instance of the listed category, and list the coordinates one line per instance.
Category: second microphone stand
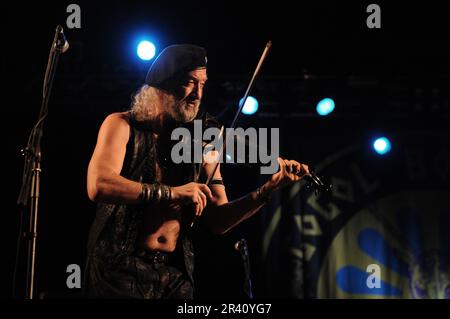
(242, 247)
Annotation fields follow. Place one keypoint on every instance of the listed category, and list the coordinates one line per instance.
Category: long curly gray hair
(149, 101)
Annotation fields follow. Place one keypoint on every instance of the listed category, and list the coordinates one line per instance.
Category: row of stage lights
(146, 51)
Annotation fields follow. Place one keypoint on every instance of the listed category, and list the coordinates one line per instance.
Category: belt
(154, 256)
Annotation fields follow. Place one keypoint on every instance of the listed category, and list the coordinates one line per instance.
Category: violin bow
(236, 116)
(239, 111)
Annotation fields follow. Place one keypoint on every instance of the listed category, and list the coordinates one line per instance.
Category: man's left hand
(290, 172)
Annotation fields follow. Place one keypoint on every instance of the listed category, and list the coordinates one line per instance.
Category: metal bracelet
(159, 193)
(155, 193)
(146, 193)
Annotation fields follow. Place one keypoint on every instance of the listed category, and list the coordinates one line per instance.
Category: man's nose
(197, 92)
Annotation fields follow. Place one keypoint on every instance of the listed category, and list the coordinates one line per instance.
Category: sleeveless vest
(114, 232)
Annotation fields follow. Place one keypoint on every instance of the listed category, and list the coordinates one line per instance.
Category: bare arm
(223, 215)
(104, 182)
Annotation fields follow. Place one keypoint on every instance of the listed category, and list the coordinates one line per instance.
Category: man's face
(188, 94)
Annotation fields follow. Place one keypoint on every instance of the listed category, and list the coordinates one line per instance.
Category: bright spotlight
(251, 105)
(325, 106)
(146, 50)
(382, 145)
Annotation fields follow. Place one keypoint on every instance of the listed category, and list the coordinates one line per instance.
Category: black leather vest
(115, 229)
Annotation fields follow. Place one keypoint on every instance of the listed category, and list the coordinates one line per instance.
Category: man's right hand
(192, 193)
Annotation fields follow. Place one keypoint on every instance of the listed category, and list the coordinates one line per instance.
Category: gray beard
(180, 111)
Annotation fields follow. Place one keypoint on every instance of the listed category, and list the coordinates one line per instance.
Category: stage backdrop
(384, 232)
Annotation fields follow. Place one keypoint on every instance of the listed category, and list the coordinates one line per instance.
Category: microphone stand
(242, 247)
(32, 168)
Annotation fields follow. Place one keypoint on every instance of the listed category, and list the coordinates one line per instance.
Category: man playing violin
(139, 244)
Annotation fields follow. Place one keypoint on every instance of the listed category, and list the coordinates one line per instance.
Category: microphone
(241, 246)
(60, 43)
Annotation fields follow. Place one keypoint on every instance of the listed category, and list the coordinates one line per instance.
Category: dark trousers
(148, 275)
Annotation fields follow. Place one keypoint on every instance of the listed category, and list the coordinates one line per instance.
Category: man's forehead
(199, 74)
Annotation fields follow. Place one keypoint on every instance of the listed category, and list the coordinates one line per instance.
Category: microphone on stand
(30, 189)
(60, 43)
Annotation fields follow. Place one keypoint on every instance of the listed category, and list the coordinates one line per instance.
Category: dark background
(392, 79)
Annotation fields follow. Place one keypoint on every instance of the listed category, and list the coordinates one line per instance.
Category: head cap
(174, 61)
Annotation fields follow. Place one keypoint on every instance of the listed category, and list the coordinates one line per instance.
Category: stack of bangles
(155, 193)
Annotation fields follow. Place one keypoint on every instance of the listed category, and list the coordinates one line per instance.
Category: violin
(317, 184)
(313, 180)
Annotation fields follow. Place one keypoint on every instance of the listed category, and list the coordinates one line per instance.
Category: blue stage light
(146, 50)
(382, 145)
(325, 106)
(251, 105)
